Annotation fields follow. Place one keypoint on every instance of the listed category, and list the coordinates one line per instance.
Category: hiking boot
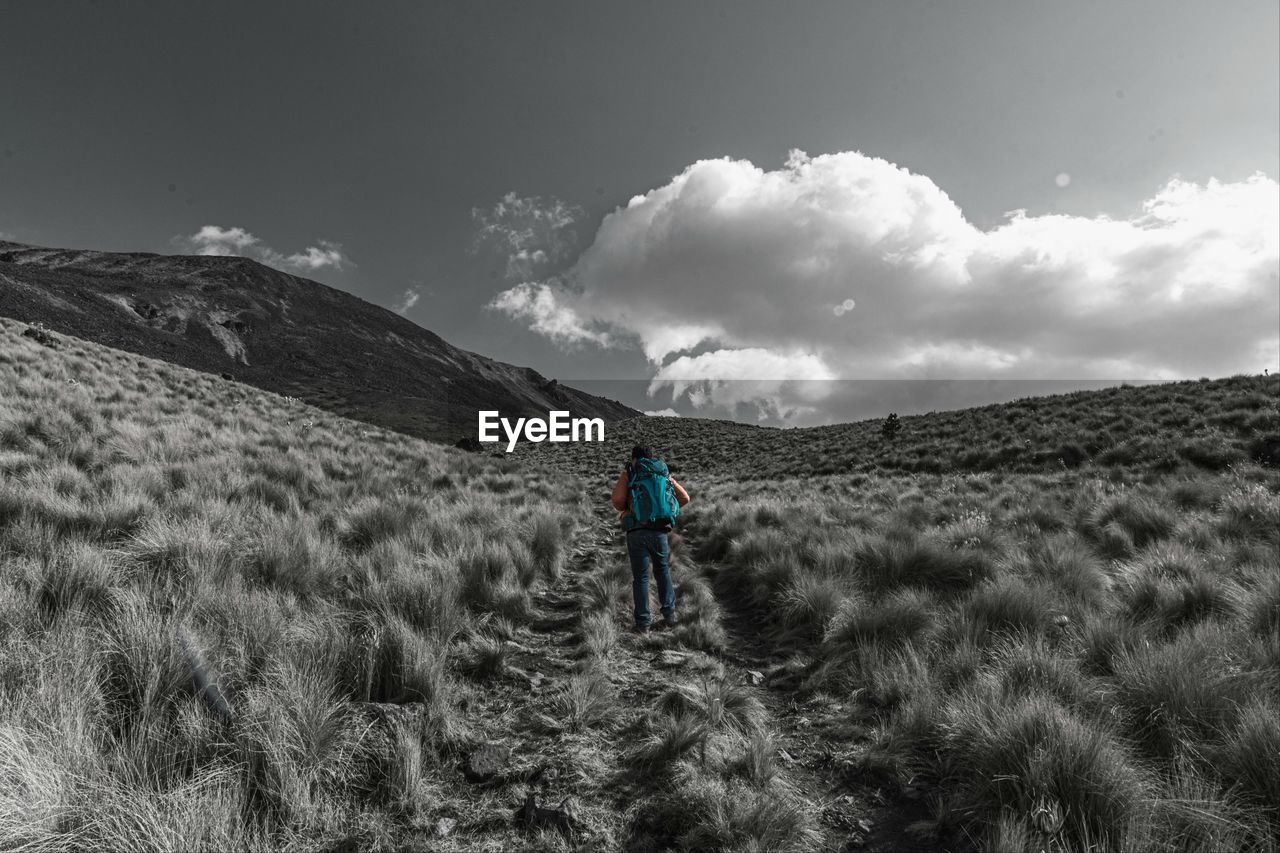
(642, 630)
(669, 621)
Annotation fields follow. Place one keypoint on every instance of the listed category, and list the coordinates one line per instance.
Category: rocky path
(595, 738)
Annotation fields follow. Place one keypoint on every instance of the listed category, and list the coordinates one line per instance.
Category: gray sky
(377, 127)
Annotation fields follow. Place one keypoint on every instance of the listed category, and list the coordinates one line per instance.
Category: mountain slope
(282, 333)
(1205, 424)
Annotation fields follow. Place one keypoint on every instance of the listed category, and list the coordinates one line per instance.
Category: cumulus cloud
(845, 266)
(546, 312)
(219, 241)
(664, 413)
(327, 254)
(216, 240)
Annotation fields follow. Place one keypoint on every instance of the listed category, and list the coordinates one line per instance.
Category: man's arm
(682, 497)
(619, 496)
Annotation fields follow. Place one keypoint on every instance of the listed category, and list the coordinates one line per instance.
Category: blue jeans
(643, 547)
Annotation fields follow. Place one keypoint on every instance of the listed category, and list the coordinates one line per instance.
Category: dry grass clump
(229, 621)
(719, 788)
(1064, 775)
(1062, 685)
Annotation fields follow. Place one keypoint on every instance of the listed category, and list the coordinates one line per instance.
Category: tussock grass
(546, 536)
(1036, 758)
(668, 741)
(486, 658)
(1066, 659)
(902, 616)
(229, 621)
(1059, 614)
(1247, 754)
(599, 634)
(705, 747)
(586, 700)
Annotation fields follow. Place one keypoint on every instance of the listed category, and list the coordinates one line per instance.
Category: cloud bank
(845, 266)
(216, 240)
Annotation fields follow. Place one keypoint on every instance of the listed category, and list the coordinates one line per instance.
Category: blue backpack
(653, 500)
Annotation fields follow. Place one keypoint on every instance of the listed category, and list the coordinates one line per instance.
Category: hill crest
(280, 332)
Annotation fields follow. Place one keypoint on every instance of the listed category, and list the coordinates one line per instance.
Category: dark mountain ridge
(280, 332)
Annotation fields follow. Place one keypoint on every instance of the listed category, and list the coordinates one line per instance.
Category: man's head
(641, 452)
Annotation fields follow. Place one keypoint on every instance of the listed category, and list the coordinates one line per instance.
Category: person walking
(648, 502)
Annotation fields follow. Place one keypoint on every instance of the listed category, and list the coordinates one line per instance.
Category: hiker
(648, 502)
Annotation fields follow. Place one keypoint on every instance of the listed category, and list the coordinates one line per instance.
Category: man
(648, 501)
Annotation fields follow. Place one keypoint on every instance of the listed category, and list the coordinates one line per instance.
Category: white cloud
(408, 299)
(761, 269)
(531, 234)
(544, 307)
(327, 254)
(664, 413)
(777, 385)
(218, 241)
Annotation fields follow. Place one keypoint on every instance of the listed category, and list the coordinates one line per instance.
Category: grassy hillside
(1205, 425)
(232, 621)
(1047, 625)
(1048, 661)
(280, 332)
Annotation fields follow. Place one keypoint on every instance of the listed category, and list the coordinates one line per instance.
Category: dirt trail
(854, 816)
(570, 711)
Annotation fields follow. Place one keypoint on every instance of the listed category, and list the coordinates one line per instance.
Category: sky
(752, 206)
